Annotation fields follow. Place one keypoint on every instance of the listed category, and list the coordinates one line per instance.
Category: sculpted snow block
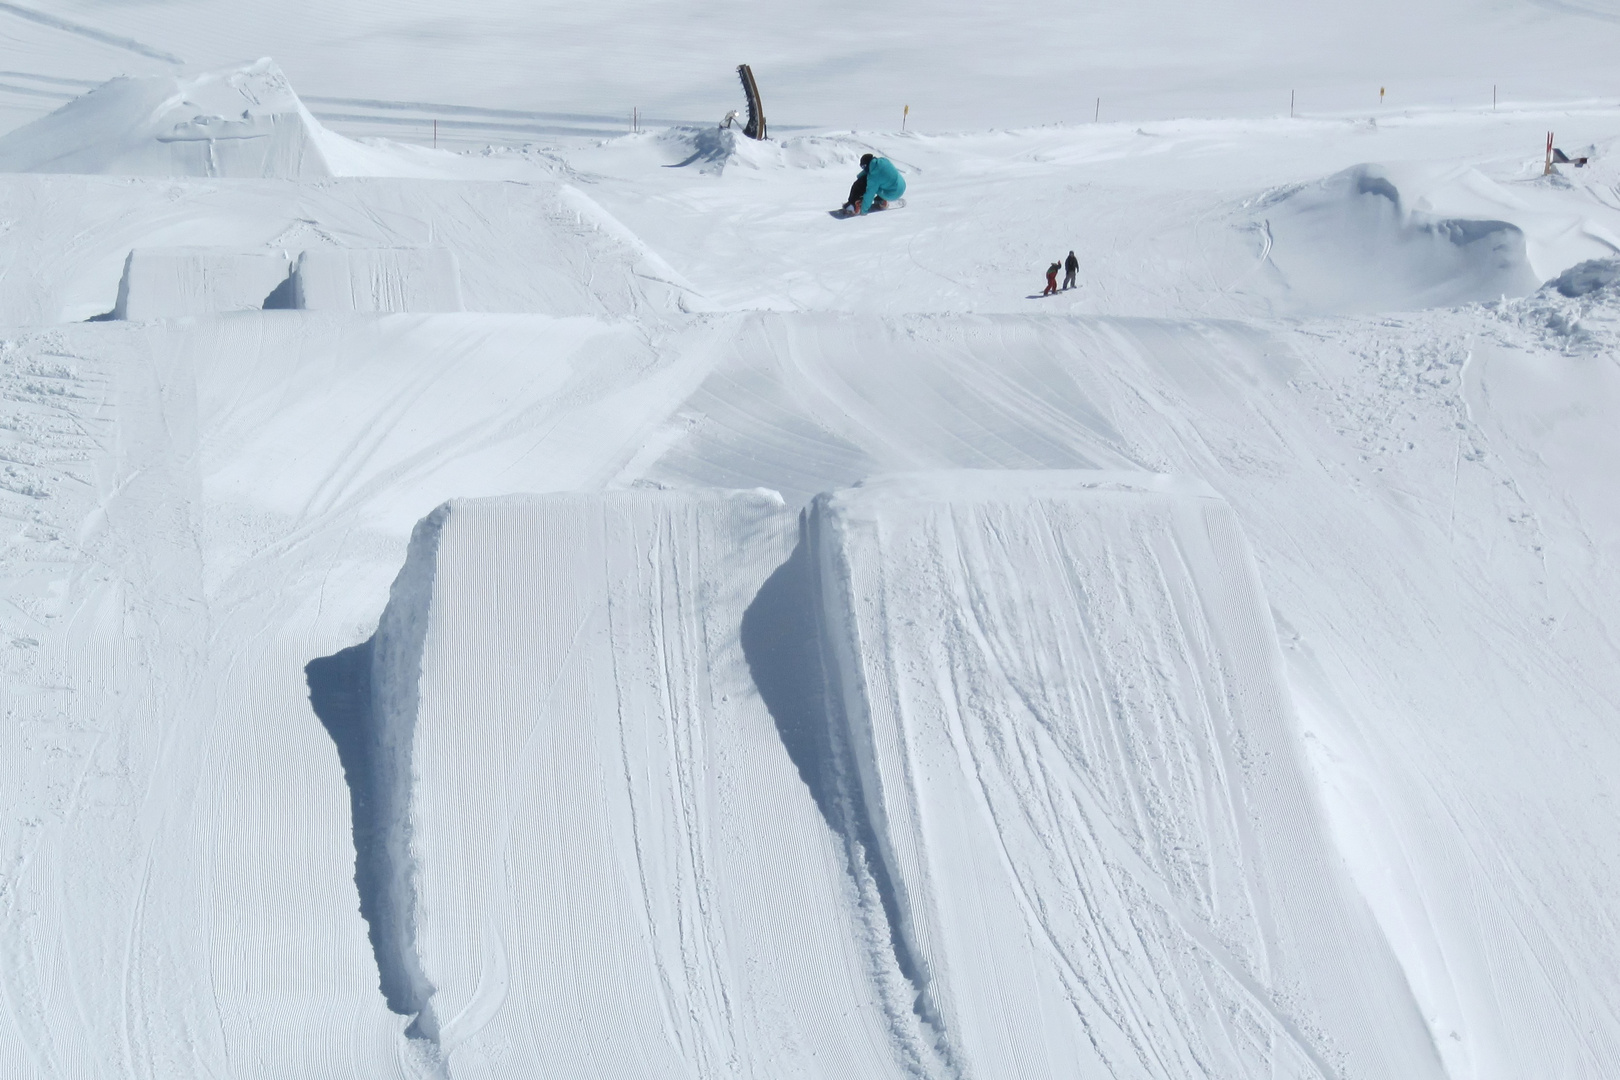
(1078, 755)
(378, 280)
(618, 871)
(163, 283)
(167, 282)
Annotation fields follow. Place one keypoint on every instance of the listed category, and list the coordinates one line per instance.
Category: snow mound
(1350, 245)
(1576, 312)
(714, 149)
(706, 149)
(1067, 706)
(617, 871)
(236, 122)
(1586, 278)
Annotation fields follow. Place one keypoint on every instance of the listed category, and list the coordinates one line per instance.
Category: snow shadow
(712, 148)
(340, 693)
(283, 297)
(781, 641)
(784, 657)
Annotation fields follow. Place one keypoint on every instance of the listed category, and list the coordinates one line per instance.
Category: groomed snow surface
(580, 610)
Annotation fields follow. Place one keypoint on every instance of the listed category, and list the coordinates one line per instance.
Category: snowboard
(842, 213)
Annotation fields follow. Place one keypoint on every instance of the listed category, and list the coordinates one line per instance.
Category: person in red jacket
(1051, 279)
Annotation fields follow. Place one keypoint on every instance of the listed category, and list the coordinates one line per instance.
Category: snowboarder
(879, 184)
(1051, 279)
(1071, 267)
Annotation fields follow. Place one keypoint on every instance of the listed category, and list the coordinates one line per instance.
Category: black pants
(857, 191)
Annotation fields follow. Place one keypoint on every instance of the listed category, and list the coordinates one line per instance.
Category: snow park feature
(1066, 708)
(703, 923)
(166, 282)
(499, 585)
(246, 122)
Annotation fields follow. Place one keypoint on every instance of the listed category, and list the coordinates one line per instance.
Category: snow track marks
(1067, 706)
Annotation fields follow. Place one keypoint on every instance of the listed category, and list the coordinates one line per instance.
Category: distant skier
(879, 184)
(1051, 279)
(1071, 267)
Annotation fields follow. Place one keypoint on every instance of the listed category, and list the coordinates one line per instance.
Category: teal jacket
(883, 181)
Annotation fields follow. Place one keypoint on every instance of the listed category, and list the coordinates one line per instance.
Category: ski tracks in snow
(1093, 705)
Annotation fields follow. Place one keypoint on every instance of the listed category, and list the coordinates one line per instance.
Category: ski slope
(755, 699)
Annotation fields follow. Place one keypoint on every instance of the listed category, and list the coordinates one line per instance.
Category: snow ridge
(396, 665)
(807, 705)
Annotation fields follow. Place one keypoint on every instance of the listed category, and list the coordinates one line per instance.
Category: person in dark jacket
(1071, 267)
(1051, 279)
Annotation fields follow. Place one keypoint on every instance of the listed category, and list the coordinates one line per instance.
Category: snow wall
(961, 775)
(618, 871)
(166, 282)
(170, 282)
(423, 279)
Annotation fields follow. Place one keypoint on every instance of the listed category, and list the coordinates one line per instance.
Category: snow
(243, 122)
(376, 280)
(641, 886)
(162, 283)
(1586, 278)
(807, 653)
(1333, 239)
(1067, 706)
(540, 246)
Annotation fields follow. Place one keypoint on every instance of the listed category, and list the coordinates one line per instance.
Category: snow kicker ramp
(1064, 829)
(168, 282)
(1067, 714)
(615, 869)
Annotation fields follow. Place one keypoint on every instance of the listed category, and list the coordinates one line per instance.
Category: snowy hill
(567, 604)
(244, 122)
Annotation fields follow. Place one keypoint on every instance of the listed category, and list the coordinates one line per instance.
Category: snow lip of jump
(991, 485)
